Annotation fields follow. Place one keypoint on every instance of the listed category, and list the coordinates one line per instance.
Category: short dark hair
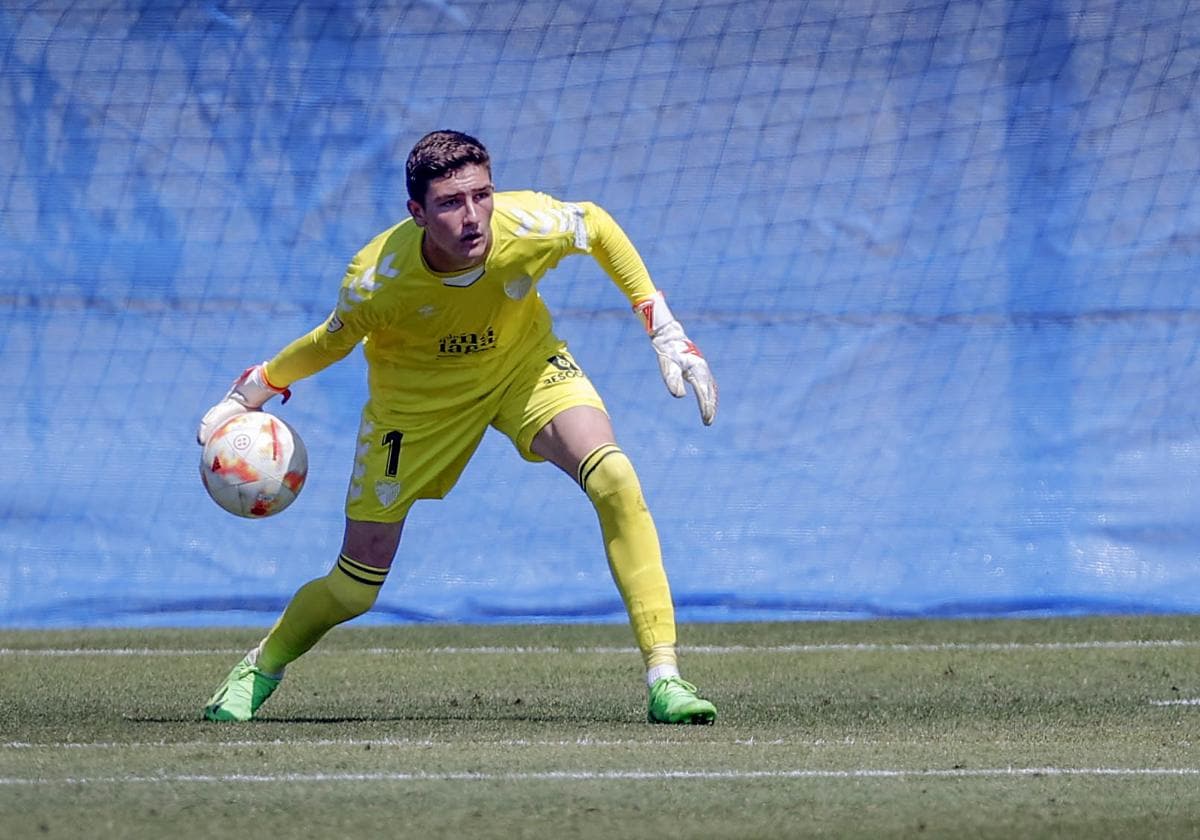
(436, 155)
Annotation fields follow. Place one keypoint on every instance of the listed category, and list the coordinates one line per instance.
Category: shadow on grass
(335, 720)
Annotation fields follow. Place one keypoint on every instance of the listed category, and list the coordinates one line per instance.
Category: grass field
(1042, 728)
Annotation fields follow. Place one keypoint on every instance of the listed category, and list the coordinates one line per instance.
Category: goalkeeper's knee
(354, 585)
(607, 476)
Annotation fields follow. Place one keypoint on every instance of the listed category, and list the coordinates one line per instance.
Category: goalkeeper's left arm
(679, 360)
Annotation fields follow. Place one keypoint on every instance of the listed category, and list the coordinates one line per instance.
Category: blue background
(941, 255)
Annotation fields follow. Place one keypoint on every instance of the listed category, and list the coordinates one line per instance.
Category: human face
(457, 218)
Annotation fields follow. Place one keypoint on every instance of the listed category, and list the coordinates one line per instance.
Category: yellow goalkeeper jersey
(434, 341)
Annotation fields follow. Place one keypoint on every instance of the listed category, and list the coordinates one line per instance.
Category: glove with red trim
(249, 392)
(679, 359)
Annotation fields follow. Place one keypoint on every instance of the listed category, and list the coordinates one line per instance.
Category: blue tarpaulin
(941, 256)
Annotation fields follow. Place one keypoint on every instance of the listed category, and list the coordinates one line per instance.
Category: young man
(457, 339)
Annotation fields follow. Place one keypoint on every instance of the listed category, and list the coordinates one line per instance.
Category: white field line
(863, 647)
(610, 775)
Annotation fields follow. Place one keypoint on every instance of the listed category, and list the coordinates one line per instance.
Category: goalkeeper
(457, 339)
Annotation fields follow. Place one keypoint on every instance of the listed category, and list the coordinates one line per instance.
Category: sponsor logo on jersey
(463, 344)
(565, 368)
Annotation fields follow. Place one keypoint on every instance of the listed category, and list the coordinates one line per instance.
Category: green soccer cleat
(672, 700)
(244, 690)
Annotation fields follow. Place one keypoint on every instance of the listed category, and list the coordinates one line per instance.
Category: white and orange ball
(254, 465)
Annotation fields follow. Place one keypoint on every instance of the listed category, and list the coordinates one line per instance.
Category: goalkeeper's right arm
(305, 356)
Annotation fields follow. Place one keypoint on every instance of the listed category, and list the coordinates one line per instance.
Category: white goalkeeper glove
(679, 359)
(249, 392)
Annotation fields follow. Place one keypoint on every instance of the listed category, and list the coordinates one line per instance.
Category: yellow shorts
(400, 459)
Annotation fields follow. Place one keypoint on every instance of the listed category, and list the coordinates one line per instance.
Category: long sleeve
(310, 354)
(616, 254)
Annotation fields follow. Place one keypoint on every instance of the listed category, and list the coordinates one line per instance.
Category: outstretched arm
(261, 383)
(679, 360)
(311, 353)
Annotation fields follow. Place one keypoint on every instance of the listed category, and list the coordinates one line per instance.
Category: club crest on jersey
(463, 344)
(387, 492)
(519, 287)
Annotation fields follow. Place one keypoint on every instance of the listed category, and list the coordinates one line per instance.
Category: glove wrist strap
(257, 377)
(654, 312)
(262, 373)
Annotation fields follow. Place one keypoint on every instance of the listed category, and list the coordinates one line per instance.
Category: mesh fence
(941, 255)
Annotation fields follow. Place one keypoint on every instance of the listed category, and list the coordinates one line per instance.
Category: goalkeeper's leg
(348, 591)
(580, 441)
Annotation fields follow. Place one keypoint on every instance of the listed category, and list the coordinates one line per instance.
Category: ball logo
(241, 441)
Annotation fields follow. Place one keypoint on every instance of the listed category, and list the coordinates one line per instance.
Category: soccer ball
(254, 465)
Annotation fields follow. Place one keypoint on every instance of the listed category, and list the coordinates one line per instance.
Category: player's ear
(417, 212)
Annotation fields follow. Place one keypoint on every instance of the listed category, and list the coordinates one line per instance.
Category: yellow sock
(634, 555)
(348, 591)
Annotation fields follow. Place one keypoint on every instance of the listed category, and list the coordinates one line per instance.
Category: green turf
(853, 729)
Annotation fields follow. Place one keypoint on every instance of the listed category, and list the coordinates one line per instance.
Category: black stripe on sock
(359, 572)
(589, 464)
